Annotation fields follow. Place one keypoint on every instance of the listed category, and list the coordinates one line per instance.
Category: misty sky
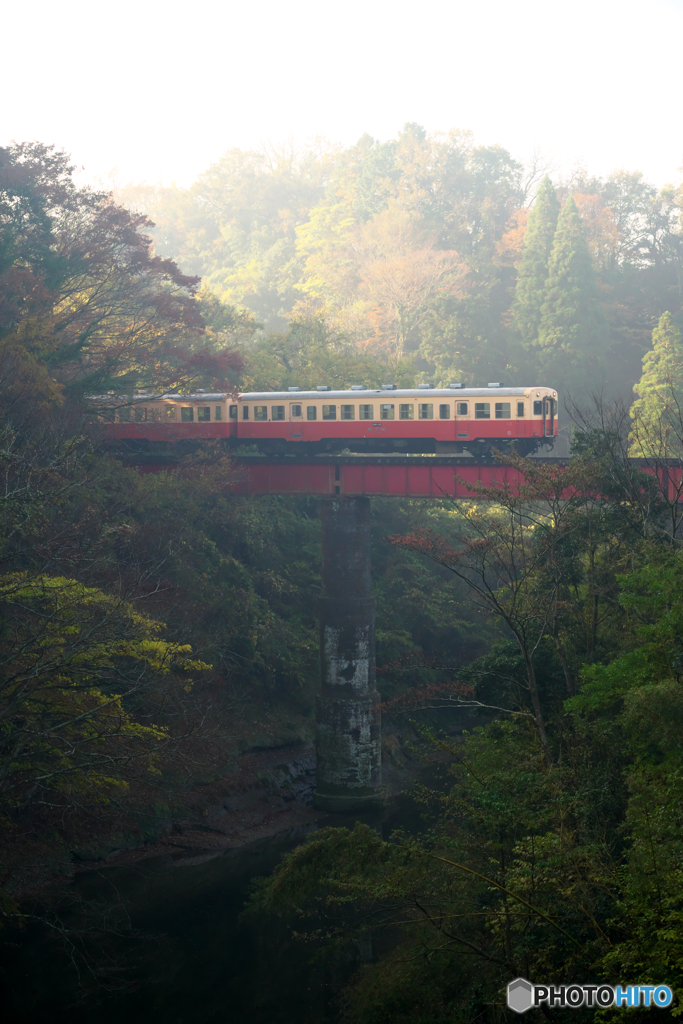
(159, 90)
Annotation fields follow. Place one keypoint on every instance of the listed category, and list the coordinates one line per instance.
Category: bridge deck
(416, 476)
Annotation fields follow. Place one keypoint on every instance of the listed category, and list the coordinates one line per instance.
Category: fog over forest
(434, 252)
(160, 656)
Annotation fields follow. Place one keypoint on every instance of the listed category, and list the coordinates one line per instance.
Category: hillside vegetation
(436, 249)
(153, 626)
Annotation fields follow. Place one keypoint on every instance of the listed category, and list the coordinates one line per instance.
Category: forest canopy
(432, 248)
(154, 626)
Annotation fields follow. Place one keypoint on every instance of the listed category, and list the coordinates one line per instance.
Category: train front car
(146, 420)
(428, 420)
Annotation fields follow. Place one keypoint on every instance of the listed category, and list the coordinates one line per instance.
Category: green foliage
(652, 600)
(74, 663)
(107, 724)
(310, 353)
(532, 274)
(421, 246)
(559, 869)
(225, 326)
(572, 332)
(374, 239)
(236, 225)
(657, 413)
(556, 858)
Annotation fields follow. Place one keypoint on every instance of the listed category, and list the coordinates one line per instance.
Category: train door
(548, 417)
(296, 421)
(462, 415)
(520, 417)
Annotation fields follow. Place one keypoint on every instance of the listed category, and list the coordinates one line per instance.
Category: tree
(657, 414)
(508, 556)
(533, 268)
(76, 669)
(599, 228)
(329, 272)
(572, 334)
(377, 282)
(236, 225)
(401, 272)
(86, 304)
(570, 869)
(313, 353)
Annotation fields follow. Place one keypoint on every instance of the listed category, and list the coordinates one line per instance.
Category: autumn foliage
(86, 305)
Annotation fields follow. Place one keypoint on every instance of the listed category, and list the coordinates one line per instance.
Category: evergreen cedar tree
(572, 333)
(559, 330)
(658, 411)
(532, 272)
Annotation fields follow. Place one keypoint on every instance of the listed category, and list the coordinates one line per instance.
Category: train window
(482, 410)
(329, 412)
(296, 410)
(233, 412)
(520, 408)
(108, 415)
(444, 412)
(406, 412)
(311, 412)
(141, 415)
(386, 412)
(502, 410)
(426, 411)
(124, 415)
(538, 408)
(260, 412)
(462, 408)
(219, 413)
(278, 412)
(365, 412)
(204, 414)
(170, 412)
(245, 412)
(154, 415)
(348, 412)
(187, 415)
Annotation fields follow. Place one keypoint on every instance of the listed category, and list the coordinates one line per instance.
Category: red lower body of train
(442, 437)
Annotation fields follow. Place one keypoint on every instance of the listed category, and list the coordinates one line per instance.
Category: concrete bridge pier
(349, 772)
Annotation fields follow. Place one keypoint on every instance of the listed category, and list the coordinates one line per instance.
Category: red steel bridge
(408, 476)
(411, 476)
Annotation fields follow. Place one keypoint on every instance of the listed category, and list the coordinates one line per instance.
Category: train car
(149, 417)
(389, 419)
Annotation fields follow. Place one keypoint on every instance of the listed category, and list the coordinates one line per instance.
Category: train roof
(197, 396)
(167, 396)
(293, 395)
(269, 396)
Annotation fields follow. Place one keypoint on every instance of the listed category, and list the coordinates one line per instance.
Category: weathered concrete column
(349, 772)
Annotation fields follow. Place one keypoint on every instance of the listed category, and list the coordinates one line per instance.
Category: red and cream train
(412, 420)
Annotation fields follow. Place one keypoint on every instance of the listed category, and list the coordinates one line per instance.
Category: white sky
(159, 90)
